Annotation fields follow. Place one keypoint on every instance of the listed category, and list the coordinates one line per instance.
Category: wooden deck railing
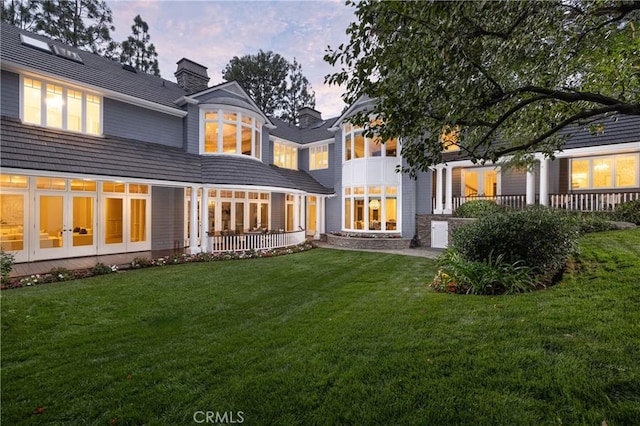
(597, 201)
(255, 241)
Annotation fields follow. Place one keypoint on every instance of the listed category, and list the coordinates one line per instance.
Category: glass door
(13, 217)
(50, 226)
(81, 233)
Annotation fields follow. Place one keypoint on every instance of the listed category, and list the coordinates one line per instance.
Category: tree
(513, 77)
(85, 24)
(297, 95)
(264, 77)
(138, 51)
(19, 13)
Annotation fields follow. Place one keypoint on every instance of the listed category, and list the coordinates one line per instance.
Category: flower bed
(368, 241)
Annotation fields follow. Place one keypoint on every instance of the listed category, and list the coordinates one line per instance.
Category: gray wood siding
(513, 182)
(167, 212)
(333, 214)
(132, 122)
(423, 192)
(10, 86)
(325, 176)
(277, 211)
(554, 176)
(408, 206)
(191, 128)
(333, 206)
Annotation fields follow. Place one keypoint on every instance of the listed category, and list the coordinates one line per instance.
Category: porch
(253, 240)
(593, 201)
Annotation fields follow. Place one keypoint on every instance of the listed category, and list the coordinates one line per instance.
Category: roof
(314, 133)
(95, 71)
(36, 148)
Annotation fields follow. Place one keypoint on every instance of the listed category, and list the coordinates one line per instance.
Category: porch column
(193, 226)
(448, 201)
(544, 182)
(204, 207)
(531, 188)
(439, 209)
(296, 212)
(323, 215)
(319, 216)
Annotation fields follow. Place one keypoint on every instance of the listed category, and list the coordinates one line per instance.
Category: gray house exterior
(98, 159)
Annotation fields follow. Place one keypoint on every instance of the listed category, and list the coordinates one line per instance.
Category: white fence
(255, 241)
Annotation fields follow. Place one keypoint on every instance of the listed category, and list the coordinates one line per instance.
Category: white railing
(600, 201)
(592, 201)
(255, 241)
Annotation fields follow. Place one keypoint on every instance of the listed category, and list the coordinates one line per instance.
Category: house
(98, 158)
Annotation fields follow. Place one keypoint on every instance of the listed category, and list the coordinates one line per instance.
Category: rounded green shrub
(537, 237)
(478, 209)
(628, 212)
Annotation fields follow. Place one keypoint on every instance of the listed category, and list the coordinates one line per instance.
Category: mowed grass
(326, 337)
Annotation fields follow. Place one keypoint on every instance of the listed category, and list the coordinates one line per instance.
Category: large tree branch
(504, 35)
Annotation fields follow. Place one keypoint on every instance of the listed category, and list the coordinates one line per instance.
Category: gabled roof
(37, 148)
(95, 71)
(314, 133)
(363, 103)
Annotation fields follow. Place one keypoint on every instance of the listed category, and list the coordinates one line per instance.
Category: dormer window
(231, 132)
(285, 155)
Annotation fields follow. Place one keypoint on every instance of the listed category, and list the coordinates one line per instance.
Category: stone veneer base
(369, 243)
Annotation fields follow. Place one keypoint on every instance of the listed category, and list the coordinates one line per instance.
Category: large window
(356, 145)
(614, 171)
(319, 157)
(371, 208)
(53, 105)
(232, 133)
(285, 156)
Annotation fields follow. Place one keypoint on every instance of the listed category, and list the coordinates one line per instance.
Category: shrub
(538, 237)
(60, 274)
(628, 212)
(491, 276)
(6, 264)
(586, 222)
(102, 269)
(478, 209)
(141, 262)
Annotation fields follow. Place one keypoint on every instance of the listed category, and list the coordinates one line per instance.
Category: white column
(204, 230)
(544, 182)
(448, 201)
(323, 214)
(439, 209)
(296, 212)
(319, 216)
(193, 226)
(531, 187)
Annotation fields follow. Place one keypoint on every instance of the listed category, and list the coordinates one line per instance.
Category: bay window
(229, 132)
(356, 145)
(371, 208)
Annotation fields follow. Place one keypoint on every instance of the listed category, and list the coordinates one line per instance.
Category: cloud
(212, 32)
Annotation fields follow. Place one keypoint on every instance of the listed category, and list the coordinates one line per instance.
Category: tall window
(319, 157)
(356, 145)
(232, 133)
(53, 105)
(614, 171)
(285, 156)
(371, 208)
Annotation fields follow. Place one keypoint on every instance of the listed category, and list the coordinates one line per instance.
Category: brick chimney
(308, 116)
(191, 76)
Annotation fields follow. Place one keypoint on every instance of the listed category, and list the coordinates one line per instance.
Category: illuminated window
(319, 157)
(53, 105)
(232, 133)
(285, 156)
(372, 208)
(450, 137)
(13, 181)
(614, 171)
(356, 145)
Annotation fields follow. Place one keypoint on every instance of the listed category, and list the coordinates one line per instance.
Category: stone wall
(369, 243)
(423, 225)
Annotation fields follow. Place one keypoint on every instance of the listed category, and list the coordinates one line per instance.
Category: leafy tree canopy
(275, 85)
(511, 76)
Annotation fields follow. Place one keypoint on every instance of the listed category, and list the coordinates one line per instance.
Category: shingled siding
(192, 130)
(423, 192)
(167, 218)
(10, 94)
(132, 122)
(277, 211)
(408, 219)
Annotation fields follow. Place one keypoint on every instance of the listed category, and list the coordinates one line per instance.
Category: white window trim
(255, 120)
(65, 89)
(313, 152)
(286, 145)
(383, 205)
(612, 185)
(352, 132)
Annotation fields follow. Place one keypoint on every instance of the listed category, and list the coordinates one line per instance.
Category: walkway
(124, 260)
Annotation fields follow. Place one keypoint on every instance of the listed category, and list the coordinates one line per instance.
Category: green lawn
(326, 337)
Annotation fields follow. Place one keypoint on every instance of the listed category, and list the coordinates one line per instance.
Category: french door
(65, 225)
(481, 182)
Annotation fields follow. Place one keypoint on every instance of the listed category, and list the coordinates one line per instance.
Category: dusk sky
(212, 32)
